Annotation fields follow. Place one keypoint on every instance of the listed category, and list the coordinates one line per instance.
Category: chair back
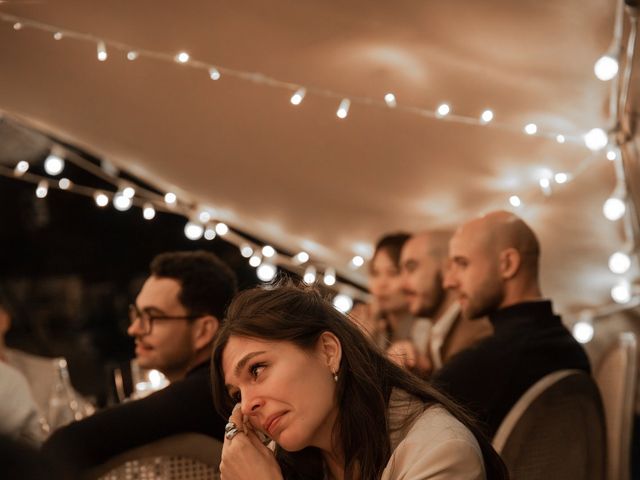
(187, 456)
(616, 376)
(556, 430)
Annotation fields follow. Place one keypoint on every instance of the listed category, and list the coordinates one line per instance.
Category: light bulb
(582, 331)
(545, 186)
(530, 129)
(329, 277)
(102, 51)
(390, 100)
(129, 192)
(621, 292)
(64, 184)
(606, 67)
(486, 116)
(57, 36)
(204, 216)
(21, 168)
(357, 261)
(214, 74)
(170, 198)
(561, 177)
(17, 26)
(266, 272)
(343, 303)
(193, 231)
(209, 233)
(255, 260)
(343, 109)
(596, 139)
(268, 251)
(614, 208)
(443, 110)
(246, 251)
(611, 154)
(560, 138)
(121, 202)
(515, 201)
(42, 189)
(53, 165)
(619, 262)
(302, 257)
(222, 229)
(182, 57)
(101, 199)
(309, 275)
(132, 55)
(148, 212)
(298, 96)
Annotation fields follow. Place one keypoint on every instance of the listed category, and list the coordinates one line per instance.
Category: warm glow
(343, 109)
(619, 262)
(193, 231)
(390, 100)
(343, 303)
(53, 165)
(606, 67)
(298, 96)
(486, 116)
(596, 139)
(614, 208)
(266, 272)
(530, 129)
(182, 57)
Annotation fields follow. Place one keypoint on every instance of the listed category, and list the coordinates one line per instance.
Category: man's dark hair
(208, 284)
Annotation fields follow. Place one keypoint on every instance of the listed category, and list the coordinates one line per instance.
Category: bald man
(494, 271)
(423, 262)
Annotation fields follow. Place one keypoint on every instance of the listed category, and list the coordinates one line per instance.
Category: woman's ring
(231, 433)
(230, 426)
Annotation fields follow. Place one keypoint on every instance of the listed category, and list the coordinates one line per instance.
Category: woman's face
(385, 283)
(286, 392)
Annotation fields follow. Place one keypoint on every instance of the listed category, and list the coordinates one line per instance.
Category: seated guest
(494, 272)
(304, 376)
(174, 321)
(423, 261)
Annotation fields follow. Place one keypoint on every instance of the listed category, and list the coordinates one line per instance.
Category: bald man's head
(494, 262)
(422, 260)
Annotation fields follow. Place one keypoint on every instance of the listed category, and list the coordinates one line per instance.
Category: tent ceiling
(298, 176)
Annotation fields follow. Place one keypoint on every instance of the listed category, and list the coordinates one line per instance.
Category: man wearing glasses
(174, 321)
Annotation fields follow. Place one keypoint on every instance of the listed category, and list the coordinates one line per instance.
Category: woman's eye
(237, 397)
(256, 369)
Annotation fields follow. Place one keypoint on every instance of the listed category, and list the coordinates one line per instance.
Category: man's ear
(510, 261)
(204, 330)
(330, 349)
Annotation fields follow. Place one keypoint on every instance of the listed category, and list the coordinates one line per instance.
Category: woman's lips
(273, 423)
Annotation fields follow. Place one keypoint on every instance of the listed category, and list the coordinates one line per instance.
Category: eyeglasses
(146, 318)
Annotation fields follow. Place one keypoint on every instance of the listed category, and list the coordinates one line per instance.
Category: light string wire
(263, 79)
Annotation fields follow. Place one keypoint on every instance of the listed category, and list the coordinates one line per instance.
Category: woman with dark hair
(300, 373)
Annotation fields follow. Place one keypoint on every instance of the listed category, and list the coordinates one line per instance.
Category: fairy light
(42, 189)
(309, 275)
(560, 138)
(209, 233)
(121, 202)
(611, 154)
(621, 292)
(515, 201)
(619, 263)
(64, 184)
(204, 216)
(21, 168)
(390, 100)
(486, 116)
(266, 272)
(329, 277)
(530, 129)
(343, 303)
(268, 251)
(614, 208)
(596, 139)
(102, 51)
(53, 164)
(182, 57)
(222, 229)
(301, 257)
(170, 198)
(129, 191)
(357, 261)
(583, 331)
(343, 109)
(606, 67)
(193, 231)
(132, 55)
(255, 260)
(545, 185)
(101, 199)
(246, 251)
(298, 96)
(57, 36)
(561, 177)
(443, 110)
(17, 26)
(148, 211)
(214, 73)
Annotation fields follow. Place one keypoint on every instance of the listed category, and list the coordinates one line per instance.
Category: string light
(619, 262)
(614, 208)
(357, 261)
(246, 251)
(329, 277)
(390, 100)
(100, 198)
(621, 292)
(343, 303)
(583, 331)
(53, 164)
(268, 251)
(214, 74)
(596, 139)
(486, 116)
(204, 216)
(255, 260)
(42, 189)
(129, 191)
(545, 186)
(193, 231)
(309, 275)
(515, 201)
(64, 184)
(222, 229)
(266, 272)
(561, 177)
(611, 154)
(209, 233)
(298, 96)
(343, 109)
(102, 51)
(606, 67)
(530, 129)
(170, 198)
(560, 138)
(57, 36)
(132, 55)
(121, 202)
(443, 110)
(148, 211)
(301, 257)
(17, 26)
(21, 168)
(182, 57)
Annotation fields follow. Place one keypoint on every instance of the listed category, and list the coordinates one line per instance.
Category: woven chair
(188, 456)
(616, 376)
(555, 431)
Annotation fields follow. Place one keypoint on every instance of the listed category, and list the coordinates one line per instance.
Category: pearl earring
(335, 377)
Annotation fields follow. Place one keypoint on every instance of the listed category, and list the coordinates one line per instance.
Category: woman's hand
(244, 457)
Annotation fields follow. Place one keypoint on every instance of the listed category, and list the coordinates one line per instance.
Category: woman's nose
(250, 404)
